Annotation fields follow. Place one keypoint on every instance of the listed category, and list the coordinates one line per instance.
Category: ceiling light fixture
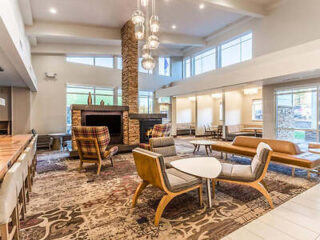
(53, 11)
(250, 91)
(201, 6)
(152, 25)
(216, 95)
(173, 26)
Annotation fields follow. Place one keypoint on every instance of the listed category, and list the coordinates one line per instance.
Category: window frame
(253, 110)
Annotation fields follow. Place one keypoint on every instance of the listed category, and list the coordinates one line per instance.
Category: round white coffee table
(206, 143)
(204, 167)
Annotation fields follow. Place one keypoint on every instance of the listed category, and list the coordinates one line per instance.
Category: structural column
(129, 51)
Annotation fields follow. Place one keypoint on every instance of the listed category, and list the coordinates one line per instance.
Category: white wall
(205, 112)
(247, 107)
(49, 103)
(279, 42)
(233, 107)
(185, 110)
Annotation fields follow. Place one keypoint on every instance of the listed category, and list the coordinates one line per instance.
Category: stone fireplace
(126, 126)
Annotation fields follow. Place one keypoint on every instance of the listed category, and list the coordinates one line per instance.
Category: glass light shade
(145, 52)
(137, 17)
(154, 24)
(153, 42)
(148, 63)
(139, 31)
(144, 3)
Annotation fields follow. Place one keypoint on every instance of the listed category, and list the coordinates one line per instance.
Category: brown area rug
(66, 204)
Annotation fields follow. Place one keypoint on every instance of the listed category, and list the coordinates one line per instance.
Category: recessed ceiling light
(201, 6)
(53, 10)
(173, 26)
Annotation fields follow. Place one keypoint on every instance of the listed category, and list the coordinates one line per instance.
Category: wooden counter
(10, 149)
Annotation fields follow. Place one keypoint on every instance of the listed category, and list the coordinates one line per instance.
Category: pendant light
(153, 42)
(137, 16)
(148, 63)
(144, 3)
(139, 31)
(145, 52)
(154, 20)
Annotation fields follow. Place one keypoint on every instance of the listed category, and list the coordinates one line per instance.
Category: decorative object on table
(151, 169)
(92, 143)
(102, 103)
(249, 175)
(143, 24)
(89, 99)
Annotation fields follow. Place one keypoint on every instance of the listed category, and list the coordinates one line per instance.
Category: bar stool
(25, 187)
(9, 192)
(29, 159)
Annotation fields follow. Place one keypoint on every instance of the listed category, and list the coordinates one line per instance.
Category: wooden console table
(10, 149)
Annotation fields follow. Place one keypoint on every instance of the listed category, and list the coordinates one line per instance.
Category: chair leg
(16, 223)
(265, 193)
(20, 200)
(213, 188)
(139, 189)
(200, 195)
(111, 161)
(24, 197)
(162, 205)
(99, 168)
(292, 172)
(81, 164)
(265, 185)
(4, 228)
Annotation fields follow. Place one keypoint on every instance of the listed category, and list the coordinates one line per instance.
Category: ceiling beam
(99, 35)
(244, 7)
(85, 49)
(26, 12)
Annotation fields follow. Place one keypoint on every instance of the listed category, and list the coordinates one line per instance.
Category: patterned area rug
(66, 204)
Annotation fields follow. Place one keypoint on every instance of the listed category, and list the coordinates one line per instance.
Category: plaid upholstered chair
(159, 130)
(92, 143)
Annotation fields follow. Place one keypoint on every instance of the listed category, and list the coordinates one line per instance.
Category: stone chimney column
(129, 52)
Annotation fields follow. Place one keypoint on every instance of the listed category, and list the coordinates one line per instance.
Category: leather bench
(284, 152)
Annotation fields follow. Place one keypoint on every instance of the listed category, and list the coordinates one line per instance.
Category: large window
(119, 62)
(257, 110)
(164, 66)
(187, 67)
(145, 102)
(106, 62)
(296, 114)
(236, 50)
(79, 95)
(205, 61)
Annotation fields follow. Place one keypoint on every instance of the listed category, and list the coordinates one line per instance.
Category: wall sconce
(250, 91)
(216, 95)
(50, 75)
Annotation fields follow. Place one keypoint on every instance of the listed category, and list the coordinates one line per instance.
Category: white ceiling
(185, 14)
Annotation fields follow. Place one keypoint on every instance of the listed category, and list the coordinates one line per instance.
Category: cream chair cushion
(247, 173)
(24, 165)
(8, 192)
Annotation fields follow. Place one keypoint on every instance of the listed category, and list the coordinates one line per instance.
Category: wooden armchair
(92, 143)
(151, 169)
(249, 175)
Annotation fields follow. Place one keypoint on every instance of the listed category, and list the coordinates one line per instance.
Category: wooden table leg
(209, 193)
(195, 148)
(206, 147)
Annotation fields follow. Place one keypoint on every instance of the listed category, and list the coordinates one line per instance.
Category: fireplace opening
(146, 126)
(113, 120)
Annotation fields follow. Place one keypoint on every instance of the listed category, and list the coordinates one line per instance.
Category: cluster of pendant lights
(142, 27)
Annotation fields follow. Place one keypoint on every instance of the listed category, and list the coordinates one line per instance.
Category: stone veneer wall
(129, 51)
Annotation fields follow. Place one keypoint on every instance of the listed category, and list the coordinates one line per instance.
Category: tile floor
(297, 219)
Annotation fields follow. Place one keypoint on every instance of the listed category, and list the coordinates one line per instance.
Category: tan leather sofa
(284, 152)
